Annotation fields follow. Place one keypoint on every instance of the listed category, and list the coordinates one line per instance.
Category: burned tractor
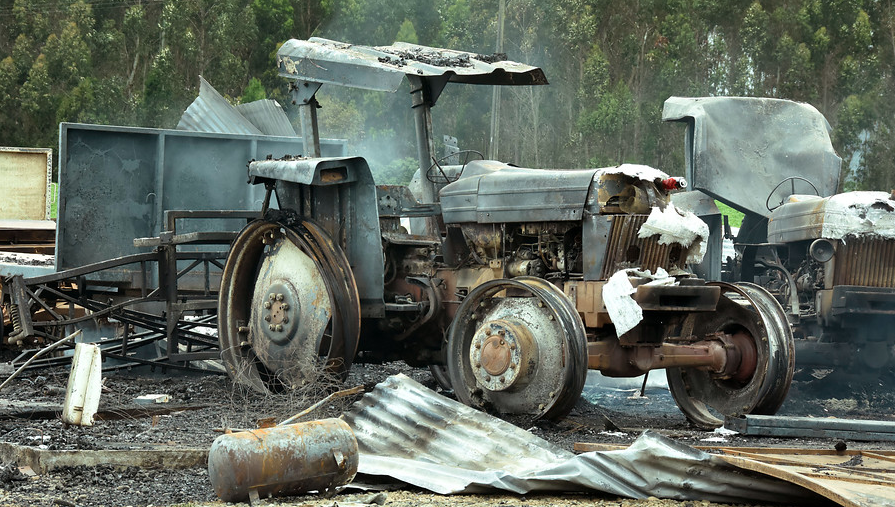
(510, 283)
(828, 258)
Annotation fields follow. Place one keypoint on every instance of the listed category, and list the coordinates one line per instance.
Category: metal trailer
(828, 258)
(519, 282)
(145, 221)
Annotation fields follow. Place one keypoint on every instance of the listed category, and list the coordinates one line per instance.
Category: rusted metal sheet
(283, 460)
(865, 261)
(849, 478)
(852, 478)
(383, 68)
(409, 433)
(26, 175)
(625, 250)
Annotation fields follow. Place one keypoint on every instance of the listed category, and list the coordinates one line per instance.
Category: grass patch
(733, 216)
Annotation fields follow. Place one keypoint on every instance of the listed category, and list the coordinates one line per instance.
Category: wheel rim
(749, 312)
(288, 307)
(524, 353)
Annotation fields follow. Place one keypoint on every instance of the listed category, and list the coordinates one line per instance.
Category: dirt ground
(205, 403)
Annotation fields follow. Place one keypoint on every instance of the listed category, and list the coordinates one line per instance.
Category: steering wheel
(433, 177)
(792, 180)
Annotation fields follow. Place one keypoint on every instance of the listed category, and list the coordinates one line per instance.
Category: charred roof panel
(268, 116)
(211, 112)
(383, 68)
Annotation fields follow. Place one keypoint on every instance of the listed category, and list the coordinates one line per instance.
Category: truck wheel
(288, 307)
(757, 325)
(518, 347)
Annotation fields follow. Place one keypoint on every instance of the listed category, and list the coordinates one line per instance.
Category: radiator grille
(865, 261)
(626, 250)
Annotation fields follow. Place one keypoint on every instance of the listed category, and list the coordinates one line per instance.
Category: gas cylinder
(283, 460)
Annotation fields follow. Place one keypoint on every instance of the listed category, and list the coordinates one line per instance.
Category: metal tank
(282, 460)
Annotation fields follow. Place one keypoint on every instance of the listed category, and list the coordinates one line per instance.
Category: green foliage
(396, 172)
(253, 91)
(611, 66)
(406, 33)
(734, 217)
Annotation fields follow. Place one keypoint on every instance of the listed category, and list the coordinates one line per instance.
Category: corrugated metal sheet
(268, 116)
(383, 68)
(211, 112)
(410, 433)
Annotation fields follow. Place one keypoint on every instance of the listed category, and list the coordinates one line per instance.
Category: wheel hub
(280, 312)
(501, 353)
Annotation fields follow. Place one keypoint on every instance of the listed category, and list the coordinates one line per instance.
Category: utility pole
(495, 97)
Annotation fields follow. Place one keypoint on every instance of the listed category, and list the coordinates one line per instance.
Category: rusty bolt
(488, 331)
(279, 297)
(478, 345)
(478, 365)
(267, 317)
(512, 346)
(487, 378)
(501, 380)
(279, 327)
(502, 332)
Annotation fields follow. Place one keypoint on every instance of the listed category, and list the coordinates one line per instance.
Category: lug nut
(271, 296)
(512, 346)
(279, 327)
(487, 378)
(267, 305)
(488, 331)
(478, 345)
(501, 380)
(478, 365)
(285, 319)
(285, 307)
(502, 343)
(502, 332)
(267, 317)
(272, 327)
(279, 297)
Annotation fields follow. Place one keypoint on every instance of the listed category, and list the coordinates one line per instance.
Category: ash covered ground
(203, 404)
